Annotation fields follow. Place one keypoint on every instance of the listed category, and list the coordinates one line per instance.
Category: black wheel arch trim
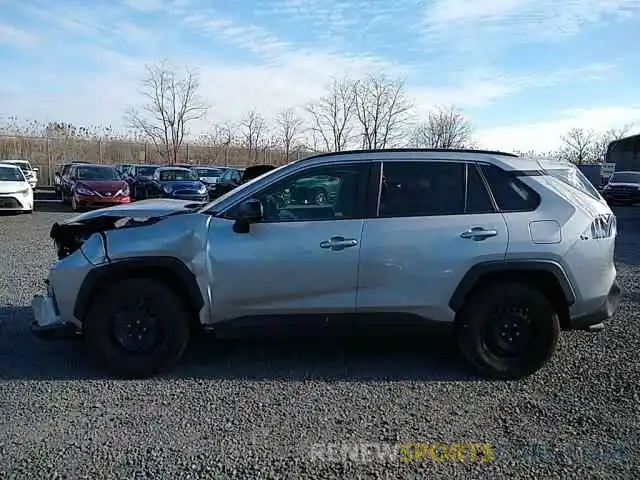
(121, 267)
(472, 276)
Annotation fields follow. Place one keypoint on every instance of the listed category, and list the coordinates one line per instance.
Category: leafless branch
(381, 110)
(171, 104)
(332, 116)
(445, 127)
(253, 125)
(579, 146)
(289, 126)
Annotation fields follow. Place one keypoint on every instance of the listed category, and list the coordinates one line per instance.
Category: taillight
(603, 226)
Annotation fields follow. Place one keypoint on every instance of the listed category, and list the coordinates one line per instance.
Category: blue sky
(525, 71)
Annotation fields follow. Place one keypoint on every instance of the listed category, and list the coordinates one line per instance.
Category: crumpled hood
(155, 207)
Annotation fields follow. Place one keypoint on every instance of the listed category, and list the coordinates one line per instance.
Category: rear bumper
(604, 312)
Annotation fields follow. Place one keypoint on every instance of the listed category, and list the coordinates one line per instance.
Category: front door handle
(478, 233)
(338, 243)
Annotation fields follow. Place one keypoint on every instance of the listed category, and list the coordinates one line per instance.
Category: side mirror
(248, 212)
(36, 169)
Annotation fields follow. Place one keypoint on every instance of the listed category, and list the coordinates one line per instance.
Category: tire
(162, 312)
(503, 311)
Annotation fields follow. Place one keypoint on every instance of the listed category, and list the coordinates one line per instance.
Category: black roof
(400, 150)
(98, 165)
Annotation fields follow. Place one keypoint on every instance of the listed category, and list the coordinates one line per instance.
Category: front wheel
(508, 330)
(138, 327)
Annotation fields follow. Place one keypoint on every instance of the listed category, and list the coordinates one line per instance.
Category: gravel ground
(247, 409)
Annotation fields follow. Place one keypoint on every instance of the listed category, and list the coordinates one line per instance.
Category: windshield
(97, 173)
(241, 188)
(172, 175)
(146, 171)
(625, 177)
(10, 174)
(209, 172)
(23, 165)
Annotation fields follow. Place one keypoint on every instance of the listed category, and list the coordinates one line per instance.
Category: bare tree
(605, 138)
(578, 146)
(227, 138)
(253, 125)
(332, 116)
(289, 126)
(172, 102)
(445, 127)
(381, 111)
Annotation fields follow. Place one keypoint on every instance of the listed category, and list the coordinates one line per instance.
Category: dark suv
(623, 187)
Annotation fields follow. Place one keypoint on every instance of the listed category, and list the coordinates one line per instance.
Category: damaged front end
(82, 244)
(69, 236)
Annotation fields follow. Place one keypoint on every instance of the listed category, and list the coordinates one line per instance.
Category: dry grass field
(47, 153)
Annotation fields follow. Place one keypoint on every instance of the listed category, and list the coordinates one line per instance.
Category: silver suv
(507, 251)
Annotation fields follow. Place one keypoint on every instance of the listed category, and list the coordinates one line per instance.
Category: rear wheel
(74, 203)
(138, 327)
(508, 330)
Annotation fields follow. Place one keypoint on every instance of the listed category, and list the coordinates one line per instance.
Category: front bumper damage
(47, 324)
(81, 245)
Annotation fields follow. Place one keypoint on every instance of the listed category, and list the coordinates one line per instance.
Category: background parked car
(209, 176)
(177, 182)
(61, 171)
(15, 192)
(122, 168)
(30, 173)
(229, 180)
(315, 190)
(86, 186)
(233, 177)
(623, 187)
(138, 178)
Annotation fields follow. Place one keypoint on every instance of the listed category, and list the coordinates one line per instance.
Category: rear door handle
(338, 243)
(478, 233)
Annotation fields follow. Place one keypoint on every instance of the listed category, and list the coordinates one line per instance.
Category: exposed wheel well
(159, 273)
(544, 281)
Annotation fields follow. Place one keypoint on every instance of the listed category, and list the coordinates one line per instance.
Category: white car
(16, 193)
(30, 173)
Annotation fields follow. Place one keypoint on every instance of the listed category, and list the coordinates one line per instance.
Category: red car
(96, 186)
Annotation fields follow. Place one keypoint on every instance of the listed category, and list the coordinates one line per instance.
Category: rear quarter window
(510, 193)
(576, 179)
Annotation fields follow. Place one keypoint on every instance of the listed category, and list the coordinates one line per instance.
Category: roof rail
(399, 150)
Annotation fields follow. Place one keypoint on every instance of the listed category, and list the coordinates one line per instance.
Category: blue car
(179, 183)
